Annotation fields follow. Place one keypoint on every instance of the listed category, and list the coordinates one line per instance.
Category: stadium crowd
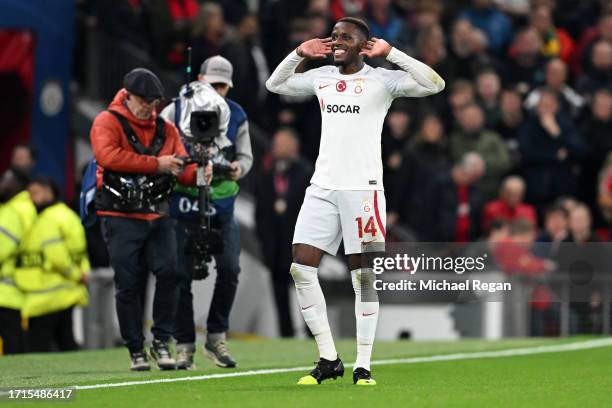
(516, 148)
(528, 89)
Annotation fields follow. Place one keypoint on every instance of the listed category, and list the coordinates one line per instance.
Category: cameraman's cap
(143, 83)
(217, 70)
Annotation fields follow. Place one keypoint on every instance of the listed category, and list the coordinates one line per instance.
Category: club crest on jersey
(358, 86)
(341, 86)
(366, 207)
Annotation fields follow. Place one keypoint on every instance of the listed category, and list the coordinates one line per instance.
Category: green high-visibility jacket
(16, 218)
(52, 262)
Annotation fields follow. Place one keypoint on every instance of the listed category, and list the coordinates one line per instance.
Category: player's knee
(303, 276)
(306, 255)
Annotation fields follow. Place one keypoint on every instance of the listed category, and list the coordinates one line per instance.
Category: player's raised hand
(376, 47)
(315, 48)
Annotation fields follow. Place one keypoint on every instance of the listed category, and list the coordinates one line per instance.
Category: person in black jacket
(452, 204)
(278, 196)
(424, 160)
(596, 130)
(550, 146)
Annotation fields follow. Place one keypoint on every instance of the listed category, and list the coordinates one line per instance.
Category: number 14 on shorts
(370, 226)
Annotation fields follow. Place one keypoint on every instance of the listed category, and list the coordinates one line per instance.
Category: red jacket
(114, 152)
(498, 209)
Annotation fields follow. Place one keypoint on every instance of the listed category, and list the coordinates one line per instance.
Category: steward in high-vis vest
(140, 157)
(17, 215)
(52, 269)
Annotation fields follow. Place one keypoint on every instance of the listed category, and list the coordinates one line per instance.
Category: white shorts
(328, 216)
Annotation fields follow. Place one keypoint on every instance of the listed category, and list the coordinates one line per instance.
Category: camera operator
(232, 160)
(138, 156)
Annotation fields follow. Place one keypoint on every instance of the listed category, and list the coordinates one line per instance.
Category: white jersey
(353, 109)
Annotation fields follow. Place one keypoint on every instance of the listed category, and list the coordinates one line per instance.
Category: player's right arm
(285, 81)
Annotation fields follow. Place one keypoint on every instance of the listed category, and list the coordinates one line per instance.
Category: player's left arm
(416, 79)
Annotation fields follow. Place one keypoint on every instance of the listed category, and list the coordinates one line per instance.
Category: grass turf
(577, 378)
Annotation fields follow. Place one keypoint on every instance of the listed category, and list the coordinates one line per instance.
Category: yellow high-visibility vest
(52, 261)
(16, 218)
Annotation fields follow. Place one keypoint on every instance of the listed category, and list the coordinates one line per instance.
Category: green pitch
(567, 379)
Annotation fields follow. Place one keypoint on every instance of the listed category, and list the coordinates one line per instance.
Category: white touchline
(582, 345)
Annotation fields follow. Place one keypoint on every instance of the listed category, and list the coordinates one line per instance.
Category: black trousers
(226, 284)
(50, 332)
(10, 331)
(136, 247)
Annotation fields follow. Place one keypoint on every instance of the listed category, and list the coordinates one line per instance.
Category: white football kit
(346, 199)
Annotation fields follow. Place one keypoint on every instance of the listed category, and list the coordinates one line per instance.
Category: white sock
(366, 315)
(312, 303)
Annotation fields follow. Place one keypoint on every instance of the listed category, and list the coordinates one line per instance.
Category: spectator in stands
(602, 31)
(525, 66)
(509, 206)
(510, 120)
(556, 42)
(555, 232)
(597, 131)
(278, 196)
(468, 47)
(599, 74)
(555, 225)
(344, 8)
(516, 9)
(396, 132)
(23, 158)
(515, 257)
(514, 253)
(556, 80)
(424, 160)
(496, 25)
(251, 68)
(487, 246)
(472, 136)
(581, 233)
(580, 225)
(170, 22)
(604, 193)
(431, 50)
(208, 34)
(488, 89)
(461, 94)
(426, 13)
(125, 21)
(452, 213)
(550, 145)
(383, 22)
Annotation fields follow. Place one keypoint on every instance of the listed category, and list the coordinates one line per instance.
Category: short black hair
(361, 25)
(556, 208)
